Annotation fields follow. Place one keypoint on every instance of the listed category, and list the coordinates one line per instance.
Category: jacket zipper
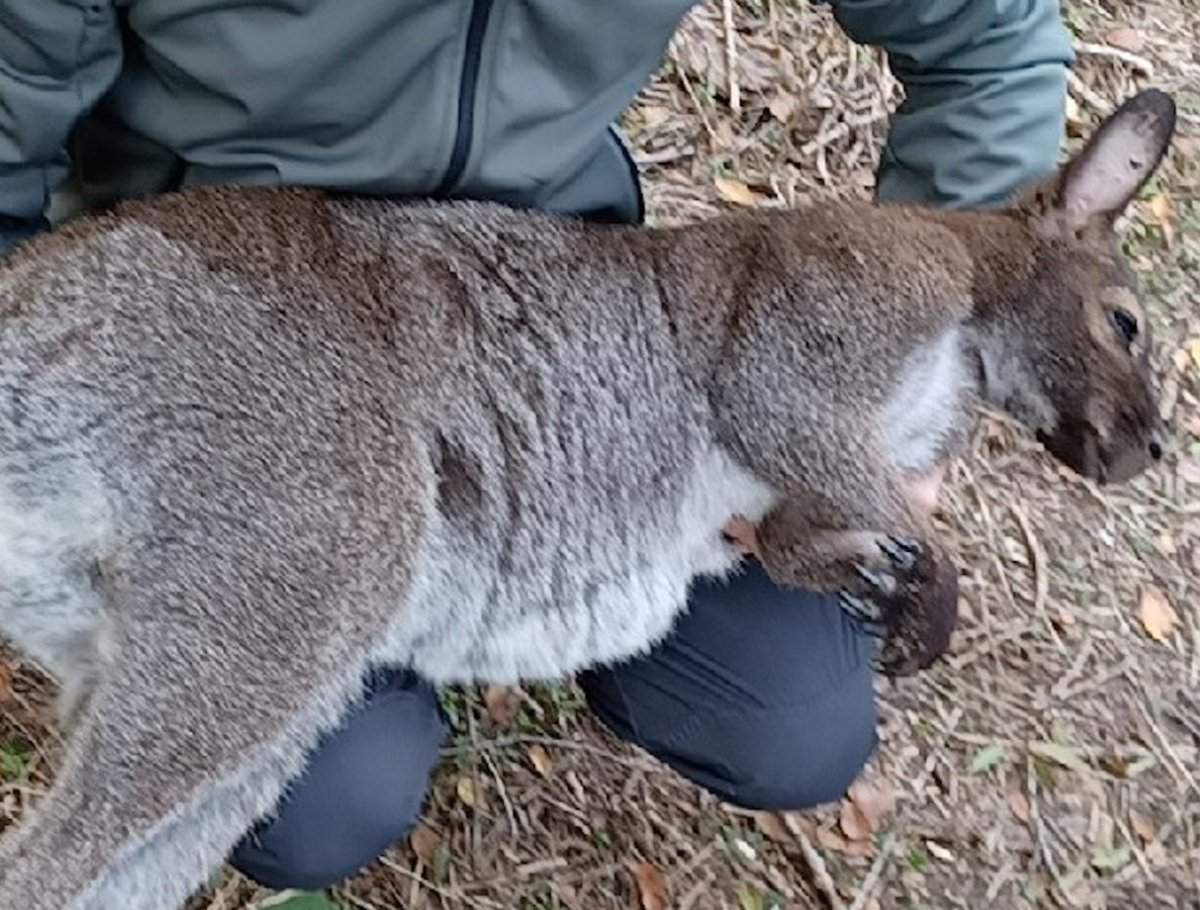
(469, 85)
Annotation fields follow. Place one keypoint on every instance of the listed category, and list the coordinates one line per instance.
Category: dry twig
(1138, 62)
(816, 864)
(731, 63)
(873, 874)
(1037, 556)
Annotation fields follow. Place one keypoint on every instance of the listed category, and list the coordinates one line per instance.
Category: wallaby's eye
(1126, 323)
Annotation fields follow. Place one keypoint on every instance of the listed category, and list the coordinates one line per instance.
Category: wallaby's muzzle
(1077, 444)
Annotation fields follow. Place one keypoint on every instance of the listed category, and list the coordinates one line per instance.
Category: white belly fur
(488, 641)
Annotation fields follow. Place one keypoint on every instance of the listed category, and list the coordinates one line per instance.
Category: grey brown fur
(254, 441)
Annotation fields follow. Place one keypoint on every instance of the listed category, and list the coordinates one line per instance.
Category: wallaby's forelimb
(898, 579)
(870, 542)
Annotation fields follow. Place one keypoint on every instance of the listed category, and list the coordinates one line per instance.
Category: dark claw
(903, 553)
(857, 607)
(885, 584)
(864, 611)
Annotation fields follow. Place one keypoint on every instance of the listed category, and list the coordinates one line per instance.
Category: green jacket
(502, 99)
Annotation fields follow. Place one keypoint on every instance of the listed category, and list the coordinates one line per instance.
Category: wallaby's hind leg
(231, 652)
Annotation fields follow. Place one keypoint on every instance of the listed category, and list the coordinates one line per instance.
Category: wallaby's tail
(239, 635)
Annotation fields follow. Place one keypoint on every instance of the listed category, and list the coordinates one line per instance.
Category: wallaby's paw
(864, 610)
(871, 606)
(907, 597)
(880, 570)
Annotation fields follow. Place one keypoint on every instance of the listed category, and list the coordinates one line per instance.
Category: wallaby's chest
(926, 415)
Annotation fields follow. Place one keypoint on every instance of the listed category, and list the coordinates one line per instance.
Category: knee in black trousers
(361, 792)
(762, 696)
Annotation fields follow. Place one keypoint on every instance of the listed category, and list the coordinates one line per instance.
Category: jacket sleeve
(985, 86)
(57, 57)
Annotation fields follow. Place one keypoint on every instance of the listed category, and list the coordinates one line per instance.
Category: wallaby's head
(1071, 342)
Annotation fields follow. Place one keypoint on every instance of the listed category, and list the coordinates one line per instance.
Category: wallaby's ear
(1099, 182)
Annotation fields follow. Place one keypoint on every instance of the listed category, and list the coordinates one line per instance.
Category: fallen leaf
(744, 850)
(1188, 470)
(1076, 125)
(1162, 208)
(1157, 615)
(855, 825)
(651, 886)
(425, 842)
(1115, 765)
(918, 860)
(5, 682)
(1193, 349)
(750, 899)
(987, 758)
(540, 759)
(1145, 763)
(859, 848)
(466, 791)
(1125, 38)
(723, 137)
(1188, 147)
(653, 115)
(1165, 544)
(1018, 802)
(1142, 827)
(939, 851)
(782, 106)
(1169, 398)
(875, 801)
(503, 705)
(1156, 854)
(12, 764)
(1060, 754)
(773, 827)
(1110, 859)
(735, 191)
(831, 840)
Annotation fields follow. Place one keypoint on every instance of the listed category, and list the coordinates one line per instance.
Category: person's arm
(985, 84)
(57, 57)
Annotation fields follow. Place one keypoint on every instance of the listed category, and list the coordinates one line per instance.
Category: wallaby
(255, 441)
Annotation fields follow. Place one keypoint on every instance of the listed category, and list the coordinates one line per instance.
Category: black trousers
(762, 696)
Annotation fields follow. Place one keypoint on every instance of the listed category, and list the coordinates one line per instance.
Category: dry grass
(1050, 650)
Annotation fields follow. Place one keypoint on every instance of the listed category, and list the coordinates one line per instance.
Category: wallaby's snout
(1139, 442)
(1115, 453)
(1087, 336)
